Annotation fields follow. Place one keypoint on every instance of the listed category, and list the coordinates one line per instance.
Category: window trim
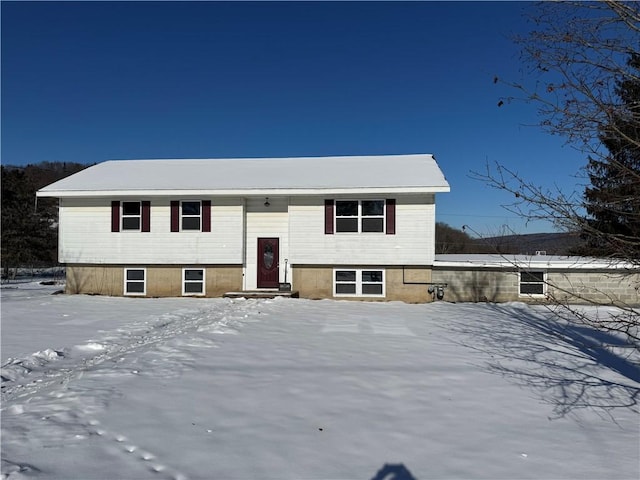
(118, 217)
(123, 216)
(143, 281)
(199, 216)
(358, 282)
(204, 282)
(359, 216)
(543, 282)
(176, 217)
(336, 283)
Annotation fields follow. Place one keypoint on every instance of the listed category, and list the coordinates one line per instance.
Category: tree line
(29, 226)
(450, 240)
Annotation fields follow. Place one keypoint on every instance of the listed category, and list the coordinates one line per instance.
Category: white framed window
(358, 282)
(131, 216)
(533, 282)
(345, 282)
(372, 283)
(193, 281)
(135, 281)
(191, 215)
(357, 216)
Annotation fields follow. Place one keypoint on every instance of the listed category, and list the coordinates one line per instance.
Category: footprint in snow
(126, 446)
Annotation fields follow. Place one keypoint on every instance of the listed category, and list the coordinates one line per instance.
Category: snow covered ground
(125, 388)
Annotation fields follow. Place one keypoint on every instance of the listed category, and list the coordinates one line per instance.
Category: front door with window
(268, 273)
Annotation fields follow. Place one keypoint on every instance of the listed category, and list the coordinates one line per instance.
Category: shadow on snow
(572, 366)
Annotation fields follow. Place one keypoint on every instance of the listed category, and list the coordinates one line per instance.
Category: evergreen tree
(21, 227)
(612, 200)
(29, 229)
(583, 66)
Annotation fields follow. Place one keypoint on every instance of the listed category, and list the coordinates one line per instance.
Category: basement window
(193, 281)
(135, 281)
(358, 283)
(532, 282)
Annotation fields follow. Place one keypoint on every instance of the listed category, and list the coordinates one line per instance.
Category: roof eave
(242, 192)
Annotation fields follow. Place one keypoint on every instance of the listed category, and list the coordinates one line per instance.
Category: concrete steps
(265, 293)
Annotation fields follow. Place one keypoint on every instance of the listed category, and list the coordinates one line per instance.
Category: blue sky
(93, 81)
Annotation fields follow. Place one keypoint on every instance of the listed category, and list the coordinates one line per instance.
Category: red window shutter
(146, 216)
(391, 216)
(115, 216)
(206, 215)
(328, 216)
(175, 216)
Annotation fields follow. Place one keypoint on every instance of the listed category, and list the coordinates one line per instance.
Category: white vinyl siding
(236, 223)
(412, 244)
(86, 237)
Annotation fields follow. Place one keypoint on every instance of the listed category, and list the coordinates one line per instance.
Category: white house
(331, 227)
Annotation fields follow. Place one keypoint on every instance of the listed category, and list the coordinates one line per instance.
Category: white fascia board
(241, 192)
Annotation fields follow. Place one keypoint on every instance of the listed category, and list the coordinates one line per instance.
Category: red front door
(268, 274)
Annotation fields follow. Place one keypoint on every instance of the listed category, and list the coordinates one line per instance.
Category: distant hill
(529, 244)
(451, 240)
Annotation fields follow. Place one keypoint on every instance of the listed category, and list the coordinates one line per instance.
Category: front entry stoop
(265, 293)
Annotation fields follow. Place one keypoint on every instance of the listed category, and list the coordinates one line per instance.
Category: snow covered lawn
(121, 388)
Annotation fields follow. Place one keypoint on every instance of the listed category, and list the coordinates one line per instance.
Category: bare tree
(579, 56)
(576, 54)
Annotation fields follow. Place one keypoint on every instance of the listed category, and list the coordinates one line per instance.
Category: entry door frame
(268, 276)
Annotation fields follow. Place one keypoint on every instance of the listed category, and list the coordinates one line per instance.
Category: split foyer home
(358, 227)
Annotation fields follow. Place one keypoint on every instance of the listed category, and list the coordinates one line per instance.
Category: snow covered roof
(528, 262)
(381, 174)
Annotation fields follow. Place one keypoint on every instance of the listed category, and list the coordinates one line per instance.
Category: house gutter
(242, 192)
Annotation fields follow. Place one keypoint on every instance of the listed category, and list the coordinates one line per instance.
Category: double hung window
(372, 282)
(345, 282)
(131, 216)
(358, 283)
(532, 282)
(193, 281)
(191, 215)
(135, 281)
(360, 216)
